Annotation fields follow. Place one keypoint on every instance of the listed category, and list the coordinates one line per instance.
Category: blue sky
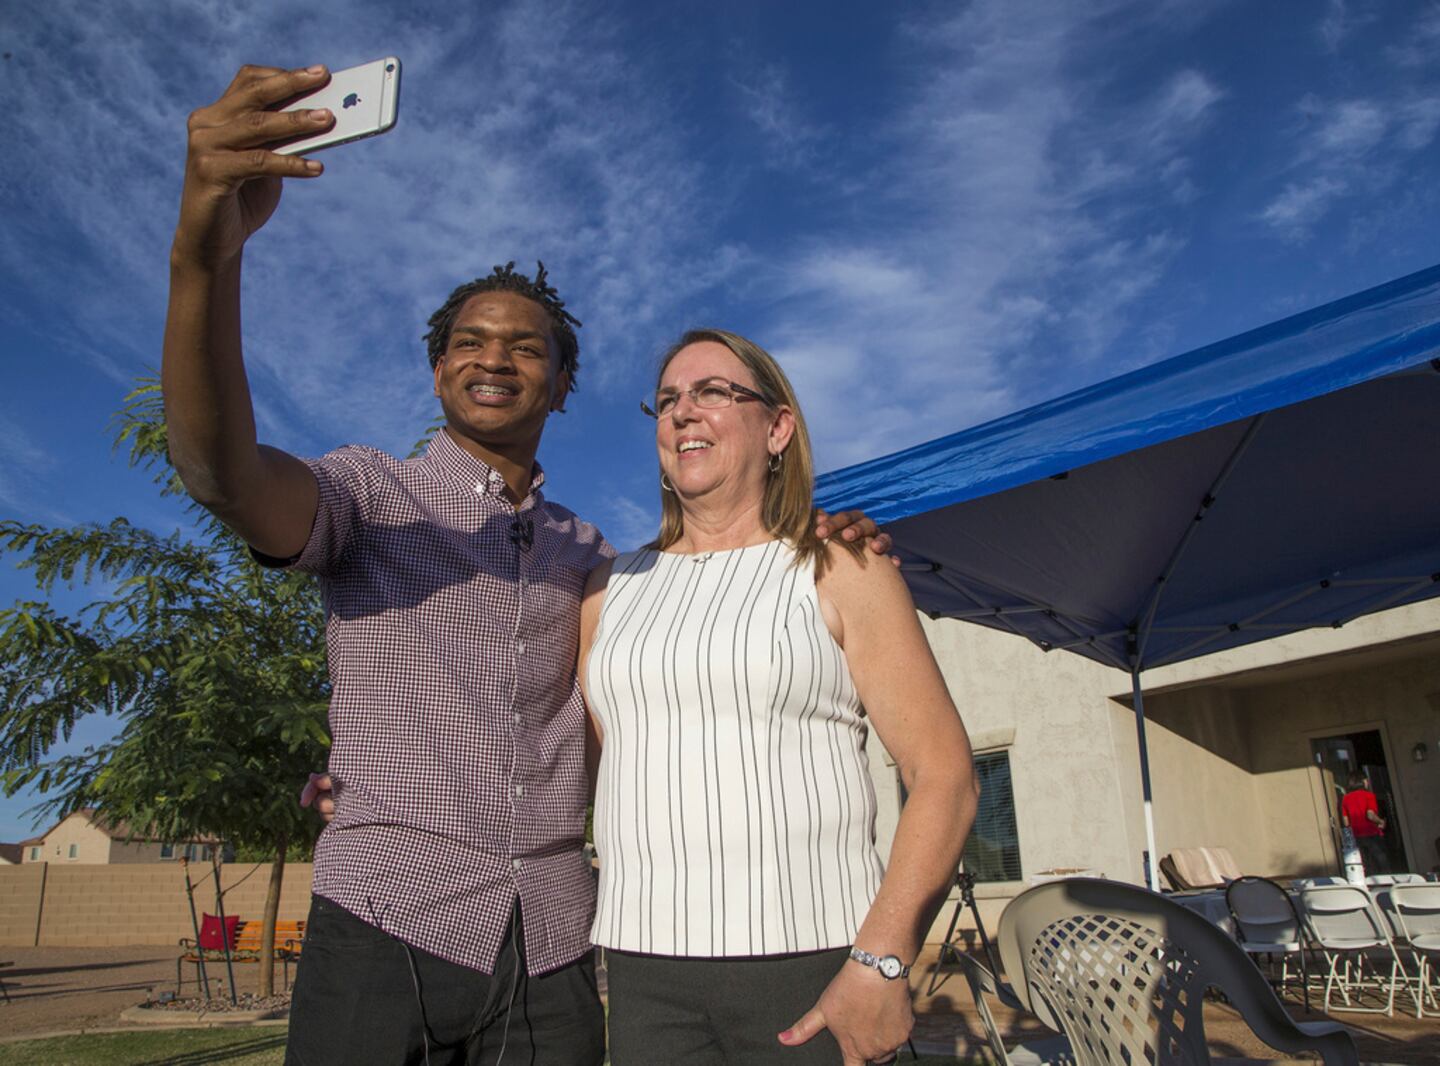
(932, 213)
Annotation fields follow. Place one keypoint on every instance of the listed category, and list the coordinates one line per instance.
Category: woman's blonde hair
(788, 510)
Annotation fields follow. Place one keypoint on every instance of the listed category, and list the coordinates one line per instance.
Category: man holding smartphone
(452, 904)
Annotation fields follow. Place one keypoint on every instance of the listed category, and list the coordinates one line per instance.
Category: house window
(167, 851)
(74, 850)
(35, 854)
(993, 851)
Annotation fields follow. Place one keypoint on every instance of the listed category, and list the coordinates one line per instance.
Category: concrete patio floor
(67, 989)
(947, 1020)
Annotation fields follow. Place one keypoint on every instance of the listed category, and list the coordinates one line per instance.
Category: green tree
(213, 666)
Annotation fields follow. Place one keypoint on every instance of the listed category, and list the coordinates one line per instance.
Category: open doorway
(1362, 752)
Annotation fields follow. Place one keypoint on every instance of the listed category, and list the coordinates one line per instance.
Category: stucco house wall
(90, 843)
(1228, 738)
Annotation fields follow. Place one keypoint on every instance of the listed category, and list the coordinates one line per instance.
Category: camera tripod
(965, 881)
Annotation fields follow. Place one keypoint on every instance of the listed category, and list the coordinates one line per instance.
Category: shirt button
(517, 717)
(520, 647)
(519, 790)
(515, 863)
(480, 487)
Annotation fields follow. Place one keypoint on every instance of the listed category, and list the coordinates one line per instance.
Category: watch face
(890, 967)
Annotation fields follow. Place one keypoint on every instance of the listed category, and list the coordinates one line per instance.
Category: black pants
(1372, 854)
(357, 1001)
(705, 1012)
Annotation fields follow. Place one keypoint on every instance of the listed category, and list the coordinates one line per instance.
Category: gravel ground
(244, 1001)
(67, 989)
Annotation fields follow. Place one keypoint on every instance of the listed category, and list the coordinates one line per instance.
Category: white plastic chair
(1378, 880)
(1123, 971)
(1417, 914)
(1343, 922)
(1266, 924)
(1310, 882)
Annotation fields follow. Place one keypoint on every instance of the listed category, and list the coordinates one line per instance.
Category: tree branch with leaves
(212, 665)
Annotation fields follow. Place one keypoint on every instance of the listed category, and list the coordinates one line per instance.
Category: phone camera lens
(389, 68)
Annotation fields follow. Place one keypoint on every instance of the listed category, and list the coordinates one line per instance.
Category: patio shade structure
(1283, 479)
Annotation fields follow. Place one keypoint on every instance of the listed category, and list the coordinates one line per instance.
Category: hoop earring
(776, 462)
(665, 485)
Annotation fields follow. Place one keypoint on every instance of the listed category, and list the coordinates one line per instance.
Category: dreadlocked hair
(507, 279)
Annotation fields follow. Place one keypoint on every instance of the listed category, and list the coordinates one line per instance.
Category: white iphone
(363, 99)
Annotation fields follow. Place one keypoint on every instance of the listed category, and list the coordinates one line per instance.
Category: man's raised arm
(232, 186)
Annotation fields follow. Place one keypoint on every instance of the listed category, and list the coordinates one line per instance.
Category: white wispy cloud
(25, 466)
(1358, 150)
(768, 101)
(995, 223)
(1341, 19)
(627, 522)
(1348, 149)
(1299, 206)
(1417, 48)
(553, 152)
(1417, 121)
(1007, 233)
(1351, 127)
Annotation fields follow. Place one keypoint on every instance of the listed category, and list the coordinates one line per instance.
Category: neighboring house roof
(118, 829)
(12, 853)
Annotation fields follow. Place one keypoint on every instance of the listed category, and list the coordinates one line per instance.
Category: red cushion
(210, 932)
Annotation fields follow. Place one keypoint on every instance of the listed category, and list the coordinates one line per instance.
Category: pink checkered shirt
(457, 726)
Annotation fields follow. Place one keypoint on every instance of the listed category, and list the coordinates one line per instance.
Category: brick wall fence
(60, 905)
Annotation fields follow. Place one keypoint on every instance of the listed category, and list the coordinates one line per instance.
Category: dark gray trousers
(358, 1000)
(708, 1012)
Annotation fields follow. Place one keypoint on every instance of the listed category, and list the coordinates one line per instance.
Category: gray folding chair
(1267, 924)
(1377, 880)
(1417, 915)
(1309, 882)
(1344, 923)
(1122, 972)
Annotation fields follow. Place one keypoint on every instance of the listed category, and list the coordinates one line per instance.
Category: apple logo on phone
(351, 100)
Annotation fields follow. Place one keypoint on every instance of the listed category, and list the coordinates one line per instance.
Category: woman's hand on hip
(868, 1016)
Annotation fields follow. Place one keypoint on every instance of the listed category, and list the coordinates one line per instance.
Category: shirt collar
(455, 462)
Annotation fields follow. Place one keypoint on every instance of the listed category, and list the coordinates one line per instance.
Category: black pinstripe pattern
(735, 813)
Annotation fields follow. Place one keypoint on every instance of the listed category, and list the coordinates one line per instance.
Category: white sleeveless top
(734, 813)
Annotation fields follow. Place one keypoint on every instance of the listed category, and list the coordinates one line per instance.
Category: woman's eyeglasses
(711, 394)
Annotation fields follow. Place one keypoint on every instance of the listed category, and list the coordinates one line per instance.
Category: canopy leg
(1152, 880)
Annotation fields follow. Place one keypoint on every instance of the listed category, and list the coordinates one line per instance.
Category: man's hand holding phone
(232, 178)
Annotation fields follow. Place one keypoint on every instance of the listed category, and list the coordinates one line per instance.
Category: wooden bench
(289, 940)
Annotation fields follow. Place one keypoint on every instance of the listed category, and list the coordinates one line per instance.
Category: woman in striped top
(733, 668)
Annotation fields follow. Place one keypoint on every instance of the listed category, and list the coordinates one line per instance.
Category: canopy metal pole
(1146, 620)
(1152, 882)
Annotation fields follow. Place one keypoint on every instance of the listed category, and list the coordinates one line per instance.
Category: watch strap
(876, 963)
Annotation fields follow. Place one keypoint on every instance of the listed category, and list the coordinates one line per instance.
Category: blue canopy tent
(1283, 479)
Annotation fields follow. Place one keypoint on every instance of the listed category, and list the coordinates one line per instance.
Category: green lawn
(262, 1046)
(186, 1047)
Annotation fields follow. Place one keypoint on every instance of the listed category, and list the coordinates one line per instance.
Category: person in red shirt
(1362, 815)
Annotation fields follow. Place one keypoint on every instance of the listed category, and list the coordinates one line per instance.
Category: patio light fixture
(1419, 752)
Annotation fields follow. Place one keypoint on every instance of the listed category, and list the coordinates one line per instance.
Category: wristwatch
(887, 966)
